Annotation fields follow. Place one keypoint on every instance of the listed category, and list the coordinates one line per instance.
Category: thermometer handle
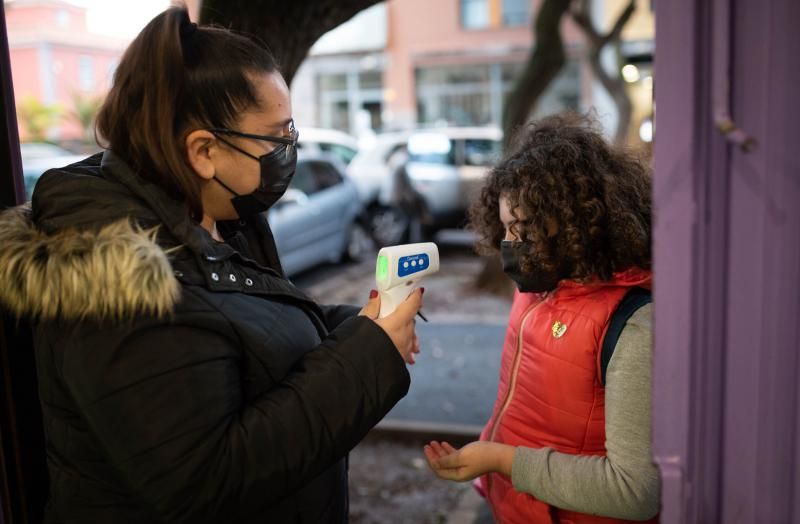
(393, 297)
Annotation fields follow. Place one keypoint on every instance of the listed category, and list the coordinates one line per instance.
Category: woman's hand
(473, 460)
(400, 325)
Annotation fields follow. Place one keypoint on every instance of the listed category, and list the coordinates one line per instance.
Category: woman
(182, 377)
(569, 439)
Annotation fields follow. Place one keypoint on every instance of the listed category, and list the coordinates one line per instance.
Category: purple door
(727, 261)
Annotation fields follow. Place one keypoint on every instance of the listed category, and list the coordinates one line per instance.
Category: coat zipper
(511, 386)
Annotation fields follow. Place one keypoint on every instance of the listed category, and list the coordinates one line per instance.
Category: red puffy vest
(550, 393)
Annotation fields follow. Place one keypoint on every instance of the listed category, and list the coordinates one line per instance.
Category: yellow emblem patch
(559, 329)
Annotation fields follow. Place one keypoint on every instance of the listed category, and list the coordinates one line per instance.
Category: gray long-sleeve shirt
(624, 484)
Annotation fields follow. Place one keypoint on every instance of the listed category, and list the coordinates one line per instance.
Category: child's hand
(473, 460)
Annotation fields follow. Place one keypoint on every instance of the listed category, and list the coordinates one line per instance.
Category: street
(454, 381)
(453, 388)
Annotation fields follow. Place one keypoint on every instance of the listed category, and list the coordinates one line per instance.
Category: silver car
(319, 219)
(371, 172)
(443, 167)
(444, 172)
(447, 167)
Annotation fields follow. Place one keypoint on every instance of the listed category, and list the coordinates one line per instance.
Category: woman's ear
(201, 147)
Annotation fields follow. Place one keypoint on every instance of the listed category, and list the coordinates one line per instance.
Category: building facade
(397, 65)
(56, 61)
(452, 62)
(428, 63)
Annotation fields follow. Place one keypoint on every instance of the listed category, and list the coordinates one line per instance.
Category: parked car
(445, 167)
(317, 141)
(38, 157)
(34, 150)
(320, 218)
(370, 171)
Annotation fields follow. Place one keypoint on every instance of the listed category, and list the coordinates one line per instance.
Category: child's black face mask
(535, 281)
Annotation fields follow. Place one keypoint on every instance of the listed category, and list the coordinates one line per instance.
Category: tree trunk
(544, 63)
(288, 27)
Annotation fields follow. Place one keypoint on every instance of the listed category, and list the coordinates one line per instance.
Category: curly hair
(582, 204)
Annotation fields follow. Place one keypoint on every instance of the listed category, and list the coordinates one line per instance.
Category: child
(569, 438)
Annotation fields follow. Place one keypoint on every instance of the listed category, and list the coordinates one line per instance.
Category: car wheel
(359, 243)
(388, 225)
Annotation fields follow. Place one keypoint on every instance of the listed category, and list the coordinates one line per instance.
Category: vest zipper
(512, 383)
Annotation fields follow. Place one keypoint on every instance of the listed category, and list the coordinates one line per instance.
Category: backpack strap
(630, 304)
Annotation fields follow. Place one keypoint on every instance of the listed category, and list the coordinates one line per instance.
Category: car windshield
(481, 152)
(431, 148)
(342, 152)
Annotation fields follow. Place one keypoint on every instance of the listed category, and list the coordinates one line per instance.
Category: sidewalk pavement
(455, 378)
(454, 381)
(471, 509)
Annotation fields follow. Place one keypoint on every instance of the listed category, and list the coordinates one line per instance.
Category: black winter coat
(181, 379)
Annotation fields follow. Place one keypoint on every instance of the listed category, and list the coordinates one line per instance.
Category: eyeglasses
(290, 142)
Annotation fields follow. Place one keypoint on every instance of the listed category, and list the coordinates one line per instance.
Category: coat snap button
(178, 274)
(232, 277)
(248, 281)
(214, 277)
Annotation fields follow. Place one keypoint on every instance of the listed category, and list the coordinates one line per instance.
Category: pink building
(55, 60)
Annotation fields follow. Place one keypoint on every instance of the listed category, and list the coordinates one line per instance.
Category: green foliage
(37, 117)
(84, 111)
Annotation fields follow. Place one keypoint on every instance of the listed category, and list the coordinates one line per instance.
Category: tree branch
(623, 19)
(613, 84)
(582, 17)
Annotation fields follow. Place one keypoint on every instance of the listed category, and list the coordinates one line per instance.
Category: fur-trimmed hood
(114, 272)
(86, 247)
(100, 242)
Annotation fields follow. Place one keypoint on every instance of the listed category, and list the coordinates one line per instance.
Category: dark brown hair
(172, 76)
(584, 205)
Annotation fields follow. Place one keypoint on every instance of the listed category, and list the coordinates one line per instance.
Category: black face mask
(527, 282)
(277, 169)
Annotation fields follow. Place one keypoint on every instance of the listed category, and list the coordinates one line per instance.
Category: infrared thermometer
(400, 269)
